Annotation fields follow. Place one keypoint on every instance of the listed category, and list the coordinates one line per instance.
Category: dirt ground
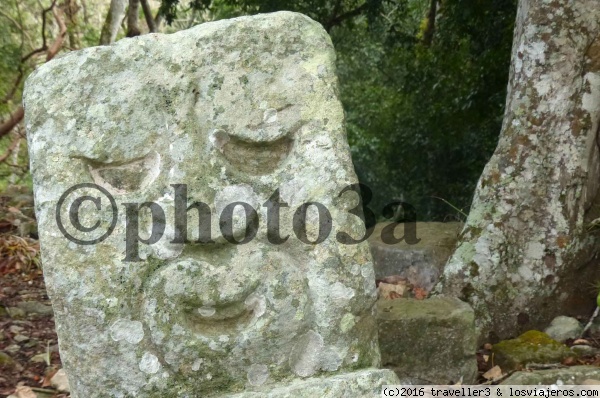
(28, 343)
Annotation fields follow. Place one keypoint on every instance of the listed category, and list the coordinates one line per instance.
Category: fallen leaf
(60, 381)
(570, 361)
(46, 381)
(493, 374)
(24, 392)
(420, 293)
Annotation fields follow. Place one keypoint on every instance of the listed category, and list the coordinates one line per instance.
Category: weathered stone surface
(530, 347)
(431, 341)
(564, 327)
(364, 383)
(421, 263)
(571, 375)
(236, 110)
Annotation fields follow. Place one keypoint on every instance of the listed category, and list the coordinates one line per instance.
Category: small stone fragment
(563, 328)
(584, 350)
(258, 374)
(60, 381)
(493, 374)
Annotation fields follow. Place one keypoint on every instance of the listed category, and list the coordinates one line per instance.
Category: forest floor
(29, 357)
(28, 344)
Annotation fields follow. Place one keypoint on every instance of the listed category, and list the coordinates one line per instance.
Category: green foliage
(422, 118)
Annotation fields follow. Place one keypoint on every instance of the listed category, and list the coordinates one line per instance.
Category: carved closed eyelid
(253, 157)
(125, 176)
(260, 148)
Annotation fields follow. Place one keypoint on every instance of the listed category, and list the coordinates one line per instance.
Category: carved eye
(127, 176)
(255, 158)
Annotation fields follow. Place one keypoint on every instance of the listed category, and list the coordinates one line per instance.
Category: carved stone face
(235, 110)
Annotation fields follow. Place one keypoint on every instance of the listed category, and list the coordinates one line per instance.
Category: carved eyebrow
(267, 131)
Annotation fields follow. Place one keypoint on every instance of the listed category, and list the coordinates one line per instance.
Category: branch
(11, 148)
(12, 121)
(44, 45)
(18, 114)
(16, 84)
(17, 24)
(58, 42)
(338, 19)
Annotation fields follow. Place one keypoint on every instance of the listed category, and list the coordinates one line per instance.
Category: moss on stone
(531, 347)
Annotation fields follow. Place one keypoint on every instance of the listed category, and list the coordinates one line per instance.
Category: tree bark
(14, 119)
(430, 30)
(526, 253)
(71, 9)
(148, 15)
(115, 15)
(133, 28)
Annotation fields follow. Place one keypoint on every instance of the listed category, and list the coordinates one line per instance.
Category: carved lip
(223, 315)
(220, 318)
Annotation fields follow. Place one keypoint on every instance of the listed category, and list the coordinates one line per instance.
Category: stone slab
(431, 341)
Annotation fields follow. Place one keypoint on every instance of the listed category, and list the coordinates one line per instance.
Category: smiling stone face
(235, 111)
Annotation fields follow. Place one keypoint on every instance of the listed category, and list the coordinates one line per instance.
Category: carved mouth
(208, 300)
(218, 319)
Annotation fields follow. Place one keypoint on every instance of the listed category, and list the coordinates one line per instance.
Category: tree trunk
(115, 15)
(527, 253)
(133, 28)
(430, 29)
(71, 9)
(148, 15)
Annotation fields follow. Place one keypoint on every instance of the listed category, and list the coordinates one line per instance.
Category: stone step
(431, 341)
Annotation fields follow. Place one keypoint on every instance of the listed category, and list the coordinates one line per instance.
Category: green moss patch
(530, 347)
